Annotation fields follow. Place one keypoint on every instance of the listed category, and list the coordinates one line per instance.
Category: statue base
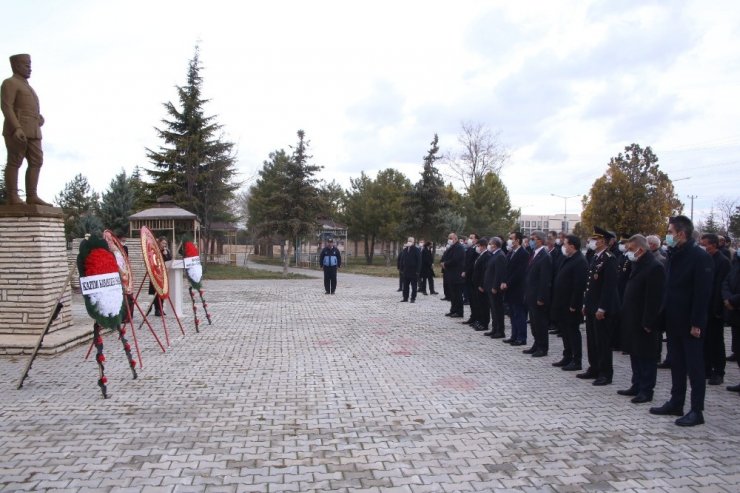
(33, 269)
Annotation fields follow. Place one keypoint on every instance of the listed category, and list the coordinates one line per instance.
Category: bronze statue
(22, 131)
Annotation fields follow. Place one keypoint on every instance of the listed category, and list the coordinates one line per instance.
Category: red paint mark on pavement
(380, 332)
(456, 383)
(325, 342)
(406, 342)
(402, 352)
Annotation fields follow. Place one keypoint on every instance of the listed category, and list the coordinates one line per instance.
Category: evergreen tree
(78, 201)
(262, 193)
(117, 204)
(142, 198)
(427, 203)
(195, 165)
(487, 207)
(710, 224)
(734, 229)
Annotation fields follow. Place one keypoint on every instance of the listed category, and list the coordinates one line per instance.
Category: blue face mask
(670, 241)
(532, 244)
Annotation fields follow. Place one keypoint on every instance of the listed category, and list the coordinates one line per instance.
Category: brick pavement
(294, 390)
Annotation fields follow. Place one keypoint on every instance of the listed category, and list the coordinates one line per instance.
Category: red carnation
(127, 347)
(197, 321)
(104, 380)
(100, 261)
(100, 358)
(98, 341)
(133, 363)
(190, 249)
(123, 331)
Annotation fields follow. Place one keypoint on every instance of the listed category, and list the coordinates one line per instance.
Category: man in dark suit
(685, 309)
(482, 314)
(568, 288)
(492, 280)
(410, 268)
(427, 269)
(513, 289)
(600, 306)
(453, 263)
(554, 244)
(471, 254)
(399, 266)
(731, 300)
(640, 320)
(537, 294)
(714, 344)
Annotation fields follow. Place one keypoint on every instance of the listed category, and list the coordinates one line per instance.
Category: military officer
(600, 306)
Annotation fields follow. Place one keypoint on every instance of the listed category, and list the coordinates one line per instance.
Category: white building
(552, 222)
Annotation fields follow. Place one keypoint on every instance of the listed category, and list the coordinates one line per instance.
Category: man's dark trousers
(687, 358)
(570, 328)
(330, 279)
(496, 305)
(456, 303)
(410, 281)
(644, 374)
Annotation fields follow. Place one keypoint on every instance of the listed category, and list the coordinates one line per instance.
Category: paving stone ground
(294, 390)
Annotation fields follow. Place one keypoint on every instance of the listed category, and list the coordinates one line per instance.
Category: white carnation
(195, 272)
(108, 303)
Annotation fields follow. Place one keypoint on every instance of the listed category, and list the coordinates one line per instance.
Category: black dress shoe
(664, 365)
(456, 315)
(716, 380)
(404, 301)
(732, 357)
(531, 350)
(587, 375)
(601, 381)
(667, 409)
(412, 301)
(518, 343)
(489, 333)
(632, 391)
(539, 354)
(572, 366)
(641, 398)
(443, 299)
(498, 335)
(693, 418)
(562, 362)
(399, 290)
(469, 321)
(433, 292)
(554, 331)
(479, 328)
(423, 292)
(449, 314)
(508, 341)
(734, 388)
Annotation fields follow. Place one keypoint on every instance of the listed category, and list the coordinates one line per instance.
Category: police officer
(600, 305)
(330, 260)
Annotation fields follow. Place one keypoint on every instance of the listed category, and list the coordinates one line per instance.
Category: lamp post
(565, 209)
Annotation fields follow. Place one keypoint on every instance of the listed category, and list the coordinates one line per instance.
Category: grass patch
(225, 272)
(357, 265)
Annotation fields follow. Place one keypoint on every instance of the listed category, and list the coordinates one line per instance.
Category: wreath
(106, 306)
(194, 272)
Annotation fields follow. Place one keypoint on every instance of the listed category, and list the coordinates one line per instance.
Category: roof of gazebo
(165, 209)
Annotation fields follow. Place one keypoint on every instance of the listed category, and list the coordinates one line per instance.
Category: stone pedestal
(174, 277)
(33, 269)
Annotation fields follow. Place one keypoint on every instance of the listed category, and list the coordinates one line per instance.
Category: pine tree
(427, 202)
(195, 165)
(78, 202)
(117, 204)
(142, 197)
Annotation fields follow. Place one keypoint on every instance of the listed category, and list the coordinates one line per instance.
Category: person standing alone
(330, 260)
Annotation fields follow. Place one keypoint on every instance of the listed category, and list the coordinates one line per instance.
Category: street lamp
(565, 209)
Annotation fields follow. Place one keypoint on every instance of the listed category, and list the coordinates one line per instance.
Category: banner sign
(100, 282)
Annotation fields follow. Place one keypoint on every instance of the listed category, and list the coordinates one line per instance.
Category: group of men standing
(624, 288)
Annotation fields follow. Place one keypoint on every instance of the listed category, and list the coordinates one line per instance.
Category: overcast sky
(566, 83)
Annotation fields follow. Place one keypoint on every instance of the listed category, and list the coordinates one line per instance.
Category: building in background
(551, 222)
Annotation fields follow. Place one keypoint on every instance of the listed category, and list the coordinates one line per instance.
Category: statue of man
(22, 131)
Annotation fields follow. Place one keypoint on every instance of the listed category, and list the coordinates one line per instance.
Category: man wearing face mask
(641, 304)
(714, 344)
(453, 263)
(482, 315)
(600, 304)
(654, 244)
(731, 301)
(494, 276)
(568, 287)
(513, 289)
(624, 267)
(410, 268)
(471, 253)
(538, 291)
(685, 308)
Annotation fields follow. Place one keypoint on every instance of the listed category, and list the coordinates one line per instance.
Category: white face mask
(557, 241)
(592, 244)
(631, 256)
(490, 248)
(470, 242)
(622, 247)
(564, 250)
(509, 243)
(450, 242)
(703, 247)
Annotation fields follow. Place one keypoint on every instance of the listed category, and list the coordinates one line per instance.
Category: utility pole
(565, 210)
(692, 197)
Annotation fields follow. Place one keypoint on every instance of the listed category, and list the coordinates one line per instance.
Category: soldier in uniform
(600, 305)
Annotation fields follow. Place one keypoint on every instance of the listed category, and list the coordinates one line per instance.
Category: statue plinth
(33, 269)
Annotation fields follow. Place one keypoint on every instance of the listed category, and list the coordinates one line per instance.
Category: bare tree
(481, 152)
(725, 209)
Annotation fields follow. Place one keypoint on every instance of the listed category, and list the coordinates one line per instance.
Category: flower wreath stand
(194, 273)
(100, 282)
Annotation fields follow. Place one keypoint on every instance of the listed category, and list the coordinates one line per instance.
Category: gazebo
(166, 219)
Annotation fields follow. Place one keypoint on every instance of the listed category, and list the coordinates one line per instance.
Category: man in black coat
(330, 260)
(513, 288)
(685, 308)
(555, 251)
(568, 288)
(600, 306)
(641, 304)
(714, 344)
(624, 266)
(471, 255)
(453, 263)
(495, 275)
(537, 294)
(410, 268)
(399, 264)
(427, 269)
(482, 315)
(731, 301)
